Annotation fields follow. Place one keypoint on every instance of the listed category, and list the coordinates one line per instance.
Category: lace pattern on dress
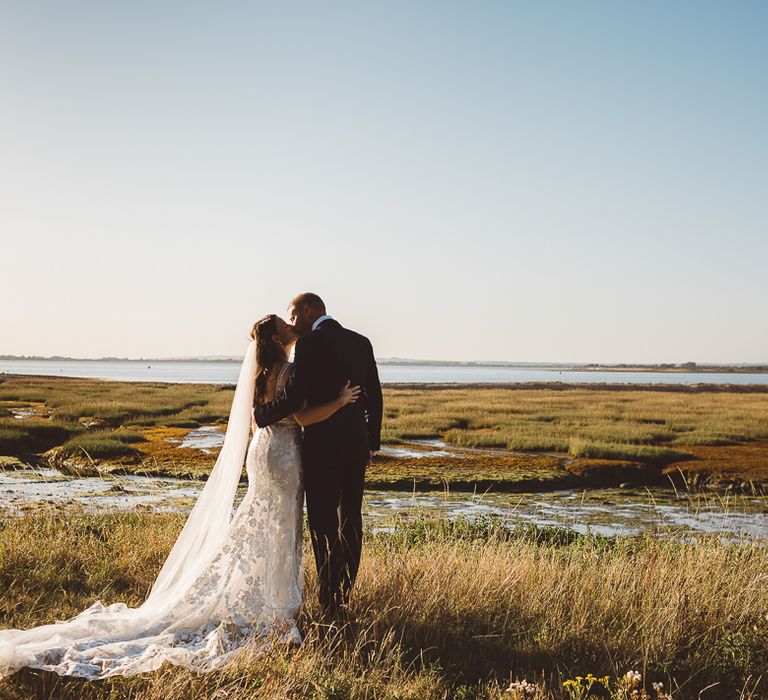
(247, 596)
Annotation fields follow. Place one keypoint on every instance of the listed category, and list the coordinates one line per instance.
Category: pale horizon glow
(559, 182)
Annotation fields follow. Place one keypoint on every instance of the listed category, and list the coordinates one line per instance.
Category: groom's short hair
(310, 299)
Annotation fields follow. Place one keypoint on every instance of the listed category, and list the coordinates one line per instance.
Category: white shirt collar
(320, 320)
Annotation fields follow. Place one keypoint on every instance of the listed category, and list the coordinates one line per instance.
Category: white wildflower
(634, 677)
(523, 689)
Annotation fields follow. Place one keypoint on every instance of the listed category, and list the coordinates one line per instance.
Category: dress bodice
(282, 380)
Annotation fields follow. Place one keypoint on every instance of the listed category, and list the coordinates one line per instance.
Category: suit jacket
(324, 360)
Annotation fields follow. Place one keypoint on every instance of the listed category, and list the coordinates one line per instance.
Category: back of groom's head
(304, 309)
(310, 299)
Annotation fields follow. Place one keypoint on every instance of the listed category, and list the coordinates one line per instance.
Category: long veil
(207, 523)
(108, 640)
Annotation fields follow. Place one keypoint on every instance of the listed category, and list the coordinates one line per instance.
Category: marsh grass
(116, 403)
(103, 445)
(33, 434)
(654, 426)
(77, 405)
(470, 472)
(601, 421)
(581, 447)
(441, 610)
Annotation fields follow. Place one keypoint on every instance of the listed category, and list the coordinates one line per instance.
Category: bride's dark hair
(267, 353)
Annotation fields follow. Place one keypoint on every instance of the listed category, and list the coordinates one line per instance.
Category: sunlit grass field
(441, 610)
(573, 418)
(91, 420)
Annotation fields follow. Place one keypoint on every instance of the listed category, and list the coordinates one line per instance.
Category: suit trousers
(334, 502)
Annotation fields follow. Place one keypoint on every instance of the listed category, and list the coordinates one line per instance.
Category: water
(24, 489)
(222, 372)
(206, 438)
(602, 511)
(29, 412)
(628, 511)
(611, 511)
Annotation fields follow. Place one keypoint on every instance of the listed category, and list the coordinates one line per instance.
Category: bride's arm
(308, 415)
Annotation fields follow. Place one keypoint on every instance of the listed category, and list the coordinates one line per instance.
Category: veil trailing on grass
(227, 580)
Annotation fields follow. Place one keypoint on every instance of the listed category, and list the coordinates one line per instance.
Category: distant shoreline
(427, 385)
(394, 362)
(720, 369)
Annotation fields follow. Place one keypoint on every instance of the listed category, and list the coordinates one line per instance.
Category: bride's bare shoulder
(282, 375)
(276, 380)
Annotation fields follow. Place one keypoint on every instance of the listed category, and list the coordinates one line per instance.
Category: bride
(228, 580)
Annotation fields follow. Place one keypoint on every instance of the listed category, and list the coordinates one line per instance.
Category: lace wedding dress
(230, 582)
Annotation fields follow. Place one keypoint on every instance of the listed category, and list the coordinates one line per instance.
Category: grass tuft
(579, 447)
(103, 445)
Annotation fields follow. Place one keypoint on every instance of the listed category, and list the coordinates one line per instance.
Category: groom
(335, 452)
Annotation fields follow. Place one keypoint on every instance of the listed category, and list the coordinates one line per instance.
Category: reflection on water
(206, 438)
(409, 453)
(603, 511)
(24, 412)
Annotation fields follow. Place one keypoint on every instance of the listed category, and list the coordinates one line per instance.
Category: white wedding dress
(230, 582)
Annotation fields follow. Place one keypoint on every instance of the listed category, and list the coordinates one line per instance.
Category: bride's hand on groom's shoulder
(349, 394)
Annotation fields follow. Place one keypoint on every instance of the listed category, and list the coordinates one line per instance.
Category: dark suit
(336, 451)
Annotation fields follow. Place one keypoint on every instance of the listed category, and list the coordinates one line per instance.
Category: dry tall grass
(441, 611)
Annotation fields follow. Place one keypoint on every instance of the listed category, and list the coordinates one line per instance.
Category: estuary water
(609, 511)
(606, 512)
(224, 372)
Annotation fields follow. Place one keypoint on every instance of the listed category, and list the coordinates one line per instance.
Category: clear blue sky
(460, 180)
